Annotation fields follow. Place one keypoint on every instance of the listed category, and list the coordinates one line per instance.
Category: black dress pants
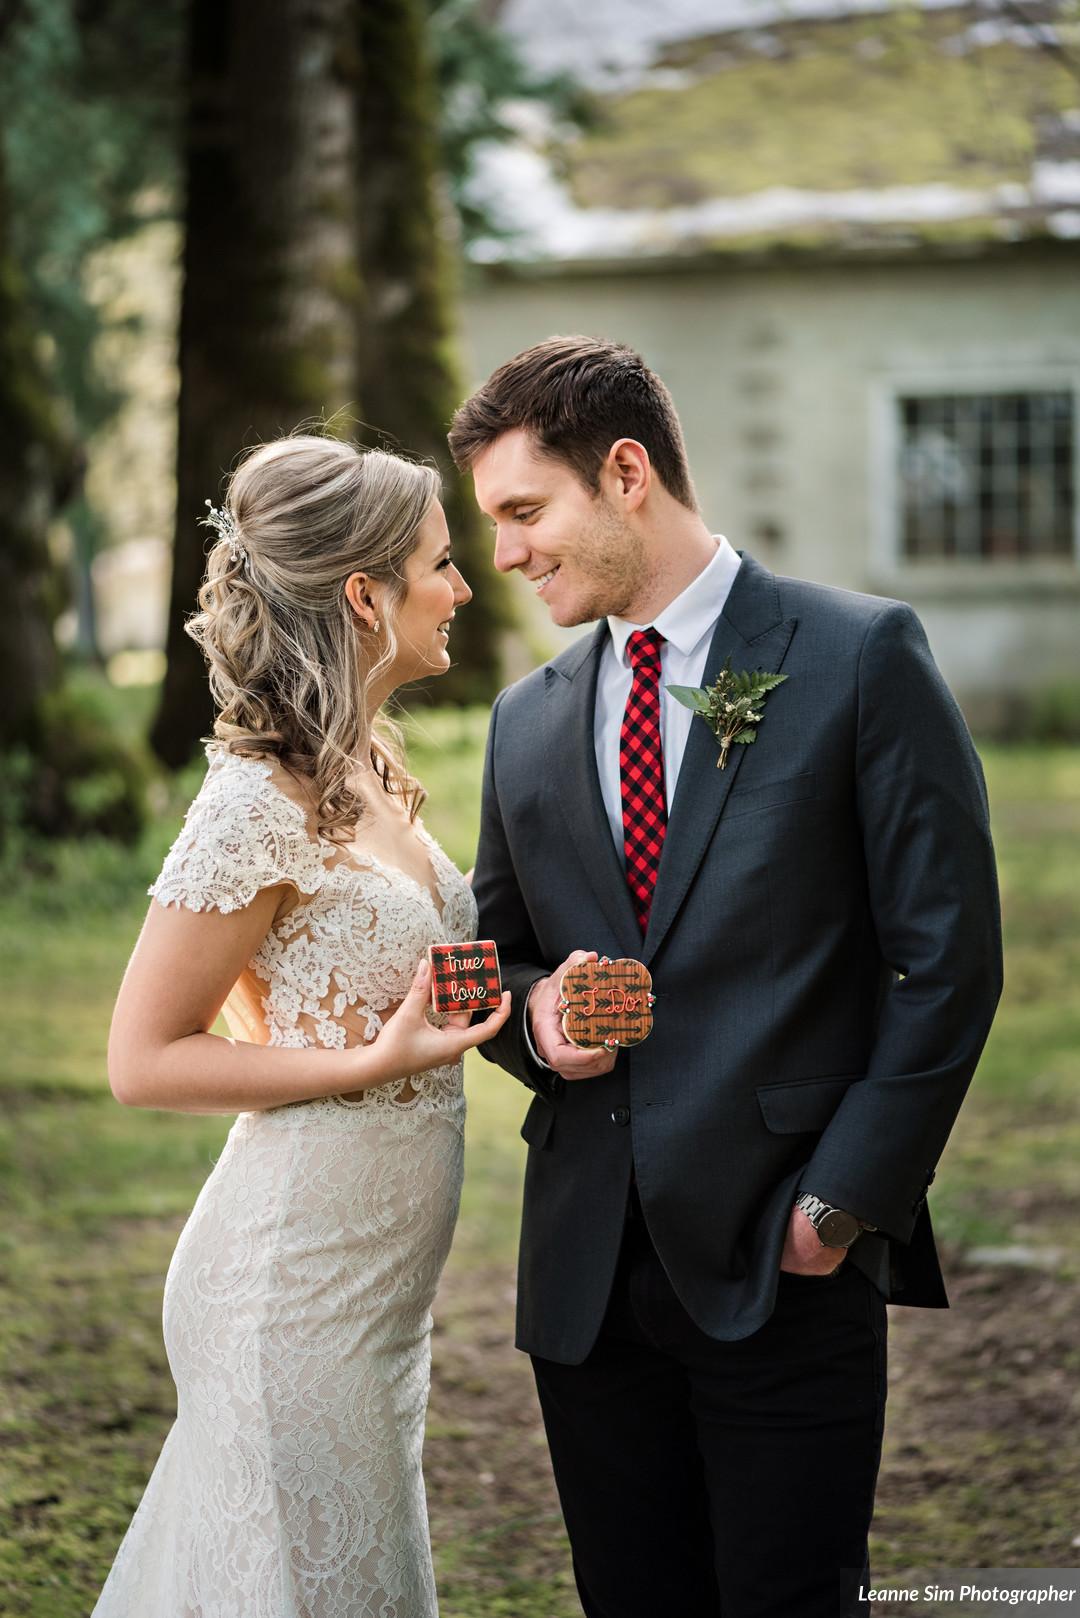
(705, 1479)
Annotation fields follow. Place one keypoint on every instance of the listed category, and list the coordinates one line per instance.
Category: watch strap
(816, 1209)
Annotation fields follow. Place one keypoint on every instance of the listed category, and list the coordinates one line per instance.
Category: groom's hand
(804, 1253)
(545, 1024)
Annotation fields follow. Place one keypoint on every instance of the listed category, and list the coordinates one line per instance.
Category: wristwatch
(835, 1227)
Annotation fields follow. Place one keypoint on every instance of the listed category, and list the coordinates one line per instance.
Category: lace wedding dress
(297, 1302)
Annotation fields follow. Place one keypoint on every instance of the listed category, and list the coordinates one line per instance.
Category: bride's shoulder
(253, 778)
(248, 827)
(259, 788)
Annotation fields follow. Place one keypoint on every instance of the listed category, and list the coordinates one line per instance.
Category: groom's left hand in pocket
(545, 1023)
(804, 1253)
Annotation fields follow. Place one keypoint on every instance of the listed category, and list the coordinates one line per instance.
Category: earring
(376, 626)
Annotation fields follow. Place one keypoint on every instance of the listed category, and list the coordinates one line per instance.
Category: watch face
(838, 1229)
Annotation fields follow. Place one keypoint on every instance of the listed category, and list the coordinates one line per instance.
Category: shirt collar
(686, 620)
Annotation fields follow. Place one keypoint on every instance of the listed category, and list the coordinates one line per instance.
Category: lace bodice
(345, 942)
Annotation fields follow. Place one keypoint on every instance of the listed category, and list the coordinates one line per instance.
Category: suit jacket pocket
(539, 1121)
(770, 794)
(802, 1106)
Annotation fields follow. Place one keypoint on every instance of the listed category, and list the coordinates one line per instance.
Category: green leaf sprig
(732, 707)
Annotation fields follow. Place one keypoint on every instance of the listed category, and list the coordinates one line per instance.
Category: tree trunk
(30, 464)
(268, 323)
(409, 383)
(86, 527)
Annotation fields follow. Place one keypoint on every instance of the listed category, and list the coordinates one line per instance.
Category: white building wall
(782, 379)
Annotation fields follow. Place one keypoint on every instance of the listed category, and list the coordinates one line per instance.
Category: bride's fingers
(420, 987)
(484, 1030)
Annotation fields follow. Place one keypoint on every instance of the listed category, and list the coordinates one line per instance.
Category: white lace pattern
(297, 1305)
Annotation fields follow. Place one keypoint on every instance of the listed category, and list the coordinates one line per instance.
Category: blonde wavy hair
(291, 664)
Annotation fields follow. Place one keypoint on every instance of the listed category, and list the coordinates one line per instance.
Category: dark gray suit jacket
(825, 948)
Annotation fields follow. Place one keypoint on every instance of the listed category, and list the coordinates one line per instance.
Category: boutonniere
(732, 707)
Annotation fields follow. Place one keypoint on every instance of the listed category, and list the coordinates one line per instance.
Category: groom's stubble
(612, 560)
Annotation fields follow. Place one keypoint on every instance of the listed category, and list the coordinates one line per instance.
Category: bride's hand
(408, 1043)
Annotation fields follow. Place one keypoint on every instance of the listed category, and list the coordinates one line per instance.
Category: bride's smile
(436, 590)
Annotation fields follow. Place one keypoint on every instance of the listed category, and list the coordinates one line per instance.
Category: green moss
(343, 281)
(860, 104)
(27, 413)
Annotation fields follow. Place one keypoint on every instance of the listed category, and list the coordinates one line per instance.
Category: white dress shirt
(687, 625)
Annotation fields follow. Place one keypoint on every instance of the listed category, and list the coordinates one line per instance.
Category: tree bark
(271, 288)
(30, 467)
(409, 382)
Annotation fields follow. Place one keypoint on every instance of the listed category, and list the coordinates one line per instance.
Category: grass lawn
(978, 1470)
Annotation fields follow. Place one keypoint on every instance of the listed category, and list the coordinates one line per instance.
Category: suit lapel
(753, 633)
(570, 757)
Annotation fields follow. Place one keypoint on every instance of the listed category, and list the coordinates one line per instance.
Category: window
(987, 475)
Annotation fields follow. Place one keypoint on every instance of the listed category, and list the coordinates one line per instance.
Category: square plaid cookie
(465, 977)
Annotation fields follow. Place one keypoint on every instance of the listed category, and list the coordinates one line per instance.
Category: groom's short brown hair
(577, 396)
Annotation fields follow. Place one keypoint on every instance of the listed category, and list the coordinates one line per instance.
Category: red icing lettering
(609, 1002)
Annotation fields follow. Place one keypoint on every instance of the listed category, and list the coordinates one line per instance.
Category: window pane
(987, 475)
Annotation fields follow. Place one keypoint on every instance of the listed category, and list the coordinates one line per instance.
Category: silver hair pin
(222, 521)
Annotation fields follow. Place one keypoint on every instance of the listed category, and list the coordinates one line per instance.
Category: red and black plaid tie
(641, 772)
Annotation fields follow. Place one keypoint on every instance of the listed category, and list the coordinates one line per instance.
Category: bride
(300, 896)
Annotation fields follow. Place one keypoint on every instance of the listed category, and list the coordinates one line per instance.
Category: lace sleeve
(241, 834)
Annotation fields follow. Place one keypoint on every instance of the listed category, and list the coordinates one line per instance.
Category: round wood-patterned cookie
(606, 1003)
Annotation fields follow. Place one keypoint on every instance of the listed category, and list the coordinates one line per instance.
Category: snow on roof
(607, 39)
(847, 130)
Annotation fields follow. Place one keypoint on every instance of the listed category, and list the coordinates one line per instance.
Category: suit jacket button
(621, 1115)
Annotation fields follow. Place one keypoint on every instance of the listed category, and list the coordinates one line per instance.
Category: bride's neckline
(364, 856)
(433, 891)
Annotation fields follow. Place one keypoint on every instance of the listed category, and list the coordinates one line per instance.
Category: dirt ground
(981, 1464)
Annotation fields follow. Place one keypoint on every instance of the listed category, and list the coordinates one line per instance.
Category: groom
(714, 1218)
